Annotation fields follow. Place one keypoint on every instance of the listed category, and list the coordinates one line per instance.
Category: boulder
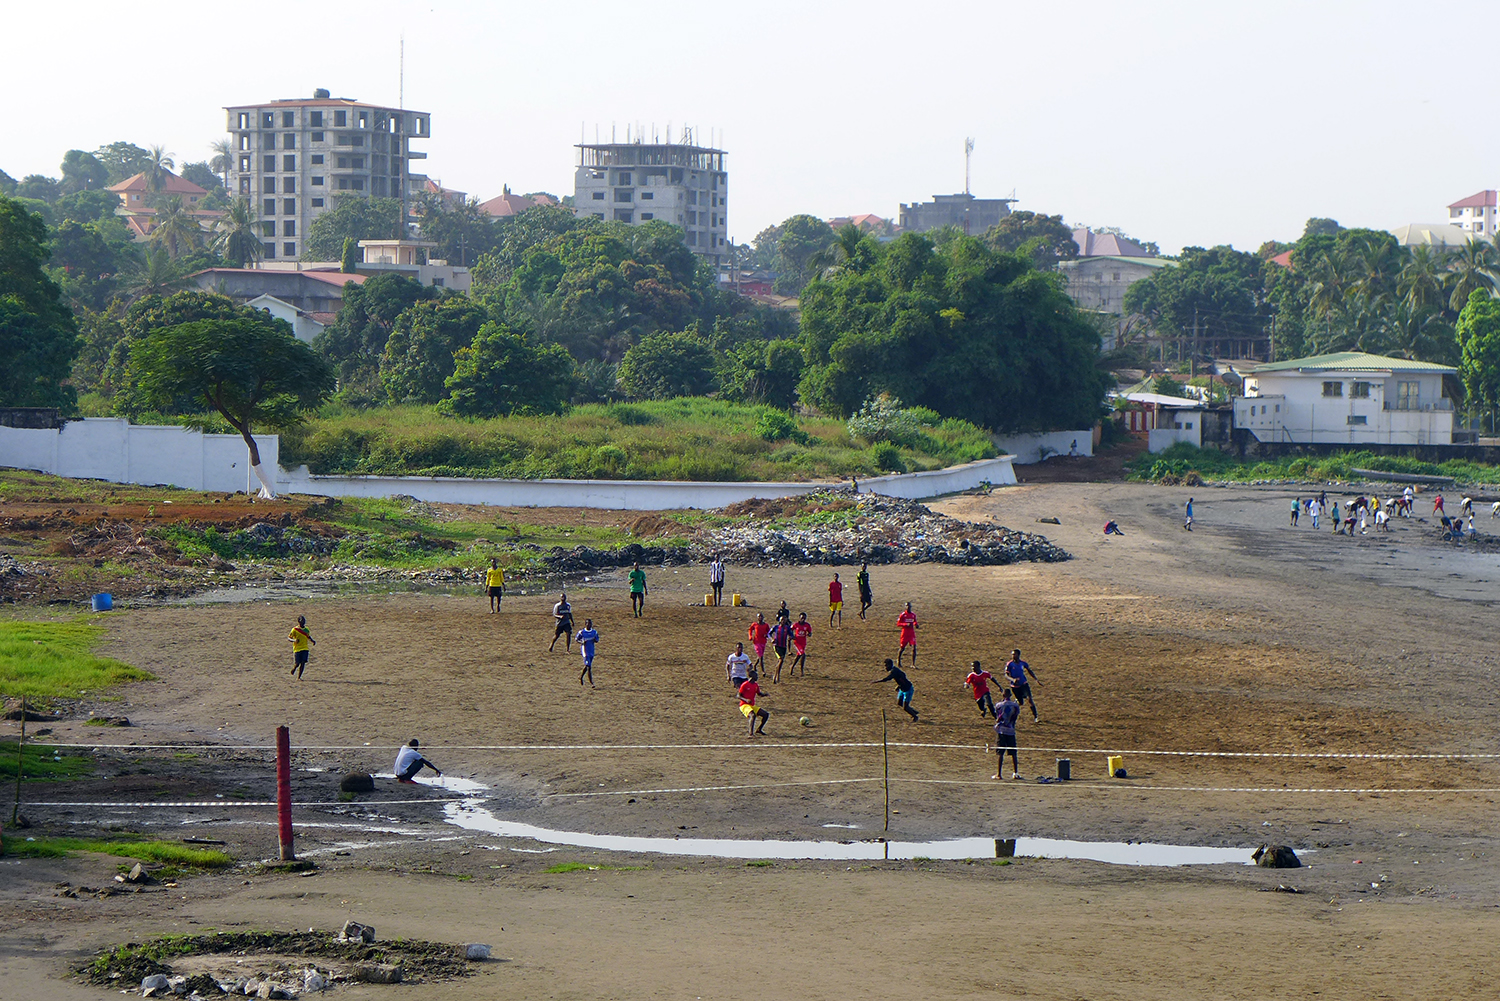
(357, 782)
(140, 876)
(1276, 857)
(375, 973)
(313, 981)
(475, 951)
(353, 931)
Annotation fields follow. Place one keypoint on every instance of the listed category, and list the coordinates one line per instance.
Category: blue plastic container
(102, 602)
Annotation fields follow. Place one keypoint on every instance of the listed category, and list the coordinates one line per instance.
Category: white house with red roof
(1475, 214)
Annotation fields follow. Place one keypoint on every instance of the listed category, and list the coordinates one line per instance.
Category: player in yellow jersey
(494, 579)
(301, 641)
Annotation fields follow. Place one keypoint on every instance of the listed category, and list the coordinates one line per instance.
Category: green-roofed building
(1349, 397)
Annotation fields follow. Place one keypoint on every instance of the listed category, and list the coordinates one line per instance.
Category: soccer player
(758, 633)
(748, 692)
(563, 613)
(979, 681)
(904, 688)
(907, 620)
(1016, 671)
(1296, 510)
(801, 630)
(1188, 515)
(716, 580)
(737, 667)
(835, 601)
(638, 591)
(409, 762)
(863, 580)
(1005, 735)
(587, 637)
(781, 636)
(300, 639)
(494, 579)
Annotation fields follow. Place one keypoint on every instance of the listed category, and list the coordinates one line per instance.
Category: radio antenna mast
(968, 151)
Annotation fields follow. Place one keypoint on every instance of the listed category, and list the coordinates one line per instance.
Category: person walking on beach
(907, 621)
(865, 597)
(1437, 506)
(1314, 508)
(587, 637)
(758, 633)
(409, 762)
(1005, 735)
(1016, 671)
(904, 688)
(1296, 510)
(716, 580)
(979, 680)
(301, 641)
(737, 666)
(748, 692)
(562, 612)
(1333, 516)
(638, 591)
(835, 601)
(801, 630)
(1188, 516)
(494, 579)
(1408, 498)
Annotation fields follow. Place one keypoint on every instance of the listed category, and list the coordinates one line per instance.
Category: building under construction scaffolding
(637, 182)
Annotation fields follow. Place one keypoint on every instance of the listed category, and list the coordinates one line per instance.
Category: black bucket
(1064, 769)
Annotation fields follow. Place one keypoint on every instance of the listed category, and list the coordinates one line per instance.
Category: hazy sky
(1186, 123)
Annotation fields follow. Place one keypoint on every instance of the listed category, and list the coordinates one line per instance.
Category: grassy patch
(1211, 464)
(164, 852)
(42, 763)
(760, 864)
(56, 660)
(562, 867)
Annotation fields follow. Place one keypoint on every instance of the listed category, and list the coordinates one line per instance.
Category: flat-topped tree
(250, 371)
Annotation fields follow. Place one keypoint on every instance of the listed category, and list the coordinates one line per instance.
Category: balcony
(1419, 405)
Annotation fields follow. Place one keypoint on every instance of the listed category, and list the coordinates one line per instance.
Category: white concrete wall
(109, 448)
(1161, 439)
(632, 495)
(1299, 412)
(1027, 448)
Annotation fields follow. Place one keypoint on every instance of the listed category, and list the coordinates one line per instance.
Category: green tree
(222, 160)
(88, 206)
(351, 217)
(154, 274)
(159, 164)
(1165, 385)
(251, 371)
(762, 372)
(802, 238)
(418, 355)
(667, 365)
(1479, 341)
(156, 309)
(1471, 269)
(38, 337)
(502, 373)
(82, 172)
(1321, 227)
(203, 175)
(39, 187)
(123, 160)
(236, 237)
(7, 184)
(84, 263)
(1045, 239)
(176, 228)
(355, 341)
(349, 258)
(99, 332)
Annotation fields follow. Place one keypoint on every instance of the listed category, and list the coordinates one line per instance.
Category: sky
(1190, 124)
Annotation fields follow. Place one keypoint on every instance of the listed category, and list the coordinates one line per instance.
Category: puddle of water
(448, 783)
(852, 827)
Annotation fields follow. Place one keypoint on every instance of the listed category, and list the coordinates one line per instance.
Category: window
(647, 195)
(598, 196)
(1356, 419)
(245, 167)
(1333, 389)
(364, 119)
(315, 119)
(438, 282)
(356, 140)
(317, 159)
(268, 228)
(244, 140)
(270, 249)
(289, 141)
(269, 207)
(343, 184)
(692, 198)
(692, 218)
(648, 215)
(289, 162)
(316, 180)
(623, 178)
(1359, 390)
(243, 120)
(358, 184)
(624, 195)
(1407, 396)
(244, 185)
(288, 119)
(268, 162)
(357, 162)
(1278, 408)
(621, 215)
(317, 203)
(1115, 276)
(692, 238)
(268, 119)
(317, 137)
(340, 119)
(289, 206)
(289, 227)
(269, 140)
(289, 249)
(268, 185)
(343, 163)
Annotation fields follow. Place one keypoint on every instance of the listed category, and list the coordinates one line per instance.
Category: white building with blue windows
(1347, 398)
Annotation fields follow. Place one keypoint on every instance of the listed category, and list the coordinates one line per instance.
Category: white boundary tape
(215, 803)
(1122, 786)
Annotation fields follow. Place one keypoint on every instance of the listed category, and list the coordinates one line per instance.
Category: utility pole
(968, 152)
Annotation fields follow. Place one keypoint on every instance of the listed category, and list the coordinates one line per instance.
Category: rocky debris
(138, 876)
(13, 711)
(376, 973)
(97, 720)
(1276, 857)
(357, 782)
(584, 559)
(353, 931)
(313, 981)
(155, 982)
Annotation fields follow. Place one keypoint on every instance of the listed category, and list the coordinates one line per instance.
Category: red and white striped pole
(284, 790)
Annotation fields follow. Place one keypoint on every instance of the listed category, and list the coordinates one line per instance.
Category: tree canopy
(1044, 239)
(38, 336)
(1479, 339)
(355, 341)
(418, 355)
(503, 372)
(351, 217)
(666, 365)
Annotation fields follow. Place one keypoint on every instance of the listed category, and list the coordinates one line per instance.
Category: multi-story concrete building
(636, 182)
(972, 215)
(1475, 214)
(294, 157)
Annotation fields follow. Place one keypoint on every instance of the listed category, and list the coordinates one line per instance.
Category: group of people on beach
(1361, 512)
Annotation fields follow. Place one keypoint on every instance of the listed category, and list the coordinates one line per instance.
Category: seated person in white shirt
(409, 762)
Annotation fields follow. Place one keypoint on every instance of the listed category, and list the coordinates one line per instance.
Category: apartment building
(679, 183)
(294, 157)
(1475, 214)
(971, 215)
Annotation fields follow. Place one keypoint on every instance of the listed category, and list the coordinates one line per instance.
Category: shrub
(778, 425)
(882, 419)
(887, 457)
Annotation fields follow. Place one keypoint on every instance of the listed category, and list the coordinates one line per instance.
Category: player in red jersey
(759, 630)
(801, 630)
(748, 693)
(907, 620)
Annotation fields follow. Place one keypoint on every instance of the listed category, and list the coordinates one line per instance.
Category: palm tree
(237, 238)
(157, 274)
(176, 228)
(159, 164)
(1376, 266)
(1329, 294)
(1470, 270)
(223, 159)
(843, 252)
(1423, 281)
(1420, 333)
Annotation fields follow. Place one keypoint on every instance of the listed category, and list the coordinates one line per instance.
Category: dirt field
(1243, 636)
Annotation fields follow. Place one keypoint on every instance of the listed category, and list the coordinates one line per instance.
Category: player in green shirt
(638, 591)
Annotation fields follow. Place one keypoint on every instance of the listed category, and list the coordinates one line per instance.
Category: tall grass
(691, 438)
(1212, 464)
(163, 852)
(56, 660)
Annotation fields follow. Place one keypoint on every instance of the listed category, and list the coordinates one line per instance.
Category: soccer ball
(805, 721)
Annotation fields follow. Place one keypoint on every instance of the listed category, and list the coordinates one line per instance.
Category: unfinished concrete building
(636, 182)
(294, 157)
(971, 215)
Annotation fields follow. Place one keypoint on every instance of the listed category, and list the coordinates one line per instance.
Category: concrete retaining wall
(1161, 439)
(113, 449)
(1027, 448)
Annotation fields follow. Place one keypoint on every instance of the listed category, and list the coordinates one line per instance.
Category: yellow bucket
(1115, 763)
(708, 599)
(737, 600)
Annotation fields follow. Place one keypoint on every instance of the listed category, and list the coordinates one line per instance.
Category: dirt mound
(649, 526)
(790, 507)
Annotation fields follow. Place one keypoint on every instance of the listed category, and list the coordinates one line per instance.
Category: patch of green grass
(56, 660)
(760, 864)
(1212, 464)
(147, 851)
(562, 867)
(1001, 861)
(43, 763)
